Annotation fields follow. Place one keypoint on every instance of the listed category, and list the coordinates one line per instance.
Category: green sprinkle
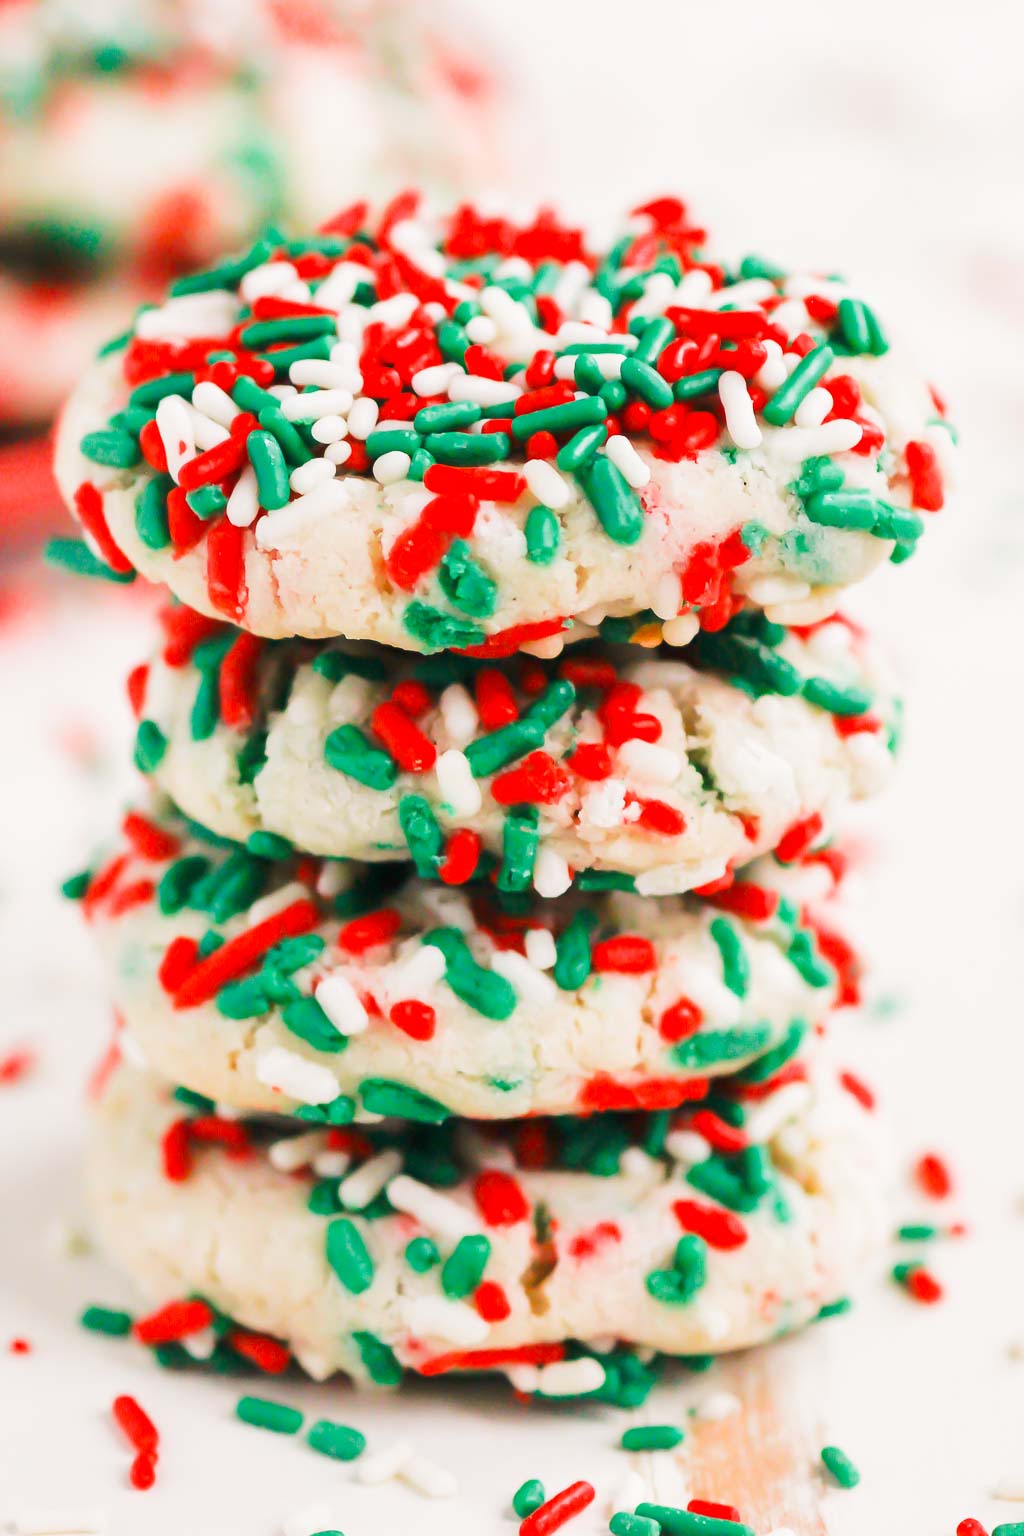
(106, 1320)
(843, 509)
(572, 952)
(442, 418)
(177, 881)
(679, 1285)
(422, 1254)
(464, 1268)
(1009, 1528)
(918, 1232)
(808, 371)
(437, 631)
(118, 449)
(520, 841)
(306, 1019)
(392, 439)
(382, 1096)
(207, 502)
(74, 555)
(271, 471)
(337, 1440)
(281, 358)
(860, 328)
(151, 512)
(265, 1414)
(287, 436)
(349, 751)
(268, 845)
(618, 507)
(76, 885)
(646, 382)
(480, 989)
(528, 1497)
(580, 450)
(652, 1437)
(674, 1521)
(378, 1359)
(804, 958)
(771, 1061)
(422, 833)
(622, 1523)
(841, 1467)
(735, 965)
(465, 583)
(543, 535)
(585, 412)
(248, 396)
(348, 1256)
(835, 699)
(716, 1178)
(206, 708)
(264, 333)
(150, 746)
(834, 1309)
(696, 384)
(468, 447)
(489, 754)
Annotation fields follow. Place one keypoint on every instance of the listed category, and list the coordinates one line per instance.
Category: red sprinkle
(176, 1321)
(491, 1302)
(16, 1065)
(461, 857)
(372, 928)
(237, 682)
(971, 1527)
(933, 1175)
(148, 840)
(89, 507)
(718, 1227)
(136, 1423)
(179, 958)
(175, 1151)
(554, 1512)
(235, 957)
(626, 953)
(495, 701)
(492, 1359)
(500, 1199)
(412, 751)
(797, 839)
(858, 1088)
(143, 1471)
(537, 780)
(746, 899)
(266, 1354)
(923, 1286)
(225, 569)
(712, 1510)
(926, 490)
(680, 1020)
(415, 1019)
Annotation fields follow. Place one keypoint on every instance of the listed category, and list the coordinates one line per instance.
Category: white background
(880, 139)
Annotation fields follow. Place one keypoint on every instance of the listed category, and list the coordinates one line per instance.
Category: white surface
(875, 139)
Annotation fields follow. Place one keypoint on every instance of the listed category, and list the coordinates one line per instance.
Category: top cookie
(478, 435)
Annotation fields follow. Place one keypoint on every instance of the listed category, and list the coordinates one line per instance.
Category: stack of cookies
(472, 944)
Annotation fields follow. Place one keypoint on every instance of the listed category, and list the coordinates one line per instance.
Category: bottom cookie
(536, 1248)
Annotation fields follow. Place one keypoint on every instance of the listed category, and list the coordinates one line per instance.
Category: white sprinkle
(628, 1493)
(717, 1406)
(271, 278)
(382, 1466)
(794, 444)
(766, 1119)
(455, 780)
(1010, 1487)
(330, 496)
(772, 371)
(453, 1321)
(540, 948)
(433, 1481)
(480, 391)
(330, 1164)
(362, 418)
(313, 404)
(608, 364)
(532, 985)
(329, 429)
(131, 1050)
(396, 311)
(339, 1000)
(813, 408)
(551, 875)
(459, 714)
(294, 1152)
(192, 314)
(339, 452)
(659, 292)
(668, 596)
(417, 972)
(435, 379)
(694, 290)
(174, 422)
(323, 375)
(201, 1345)
(207, 432)
(391, 467)
(436, 1212)
(308, 476)
(365, 1184)
(625, 458)
(289, 1073)
(32, 1521)
(546, 649)
(648, 764)
(511, 317)
(481, 330)
(687, 1147)
(765, 590)
(546, 484)
(337, 288)
(212, 401)
(740, 421)
(680, 631)
(569, 1378)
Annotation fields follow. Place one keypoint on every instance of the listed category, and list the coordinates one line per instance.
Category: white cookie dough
(726, 777)
(598, 1001)
(646, 524)
(582, 1248)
